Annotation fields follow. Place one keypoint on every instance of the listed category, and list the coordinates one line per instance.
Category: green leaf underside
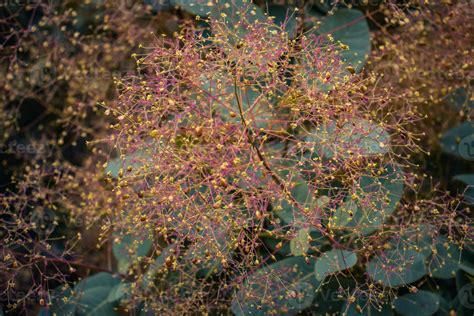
(397, 267)
(422, 303)
(118, 292)
(285, 287)
(334, 261)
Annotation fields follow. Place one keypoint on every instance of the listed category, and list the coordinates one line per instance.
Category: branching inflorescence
(240, 148)
(259, 167)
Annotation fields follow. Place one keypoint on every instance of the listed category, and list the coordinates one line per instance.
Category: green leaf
(258, 110)
(445, 262)
(359, 137)
(334, 261)
(282, 14)
(422, 303)
(213, 246)
(363, 308)
(397, 267)
(129, 249)
(419, 239)
(376, 197)
(62, 303)
(285, 287)
(91, 296)
(303, 194)
(467, 266)
(272, 243)
(460, 99)
(457, 141)
(157, 265)
(328, 300)
(464, 286)
(467, 179)
(350, 27)
(94, 301)
(135, 160)
(467, 261)
(118, 292)
(196, 7)
(444, 307)
(231, 11)
(101, 279)
(300, 244)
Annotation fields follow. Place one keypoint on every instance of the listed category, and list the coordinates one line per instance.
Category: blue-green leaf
(460, 99)
(303, 194)
(329, 300)
(382, 191)
(397, 267)
(359, 137)
(257, 109)
(422, 303)
(445, 262)
(231, 11)
(284, 14)
(334, 261)
(157, 265)
(300, 244)
(62, 303)
(350, 27)
(363, 308)
(118, 292)
(459, 141)
(467, 179)
(130, 248)
(285, 287)
(90, 297)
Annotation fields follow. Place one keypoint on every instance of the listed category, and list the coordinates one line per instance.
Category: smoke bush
(258, 168)
(237, 146)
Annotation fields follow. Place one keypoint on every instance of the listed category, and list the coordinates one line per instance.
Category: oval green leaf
(422, 303)
(397, 267)
(285, 287)
(334, 261)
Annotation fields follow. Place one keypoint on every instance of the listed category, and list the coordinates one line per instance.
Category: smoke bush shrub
(259, 170)
(263, 167)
